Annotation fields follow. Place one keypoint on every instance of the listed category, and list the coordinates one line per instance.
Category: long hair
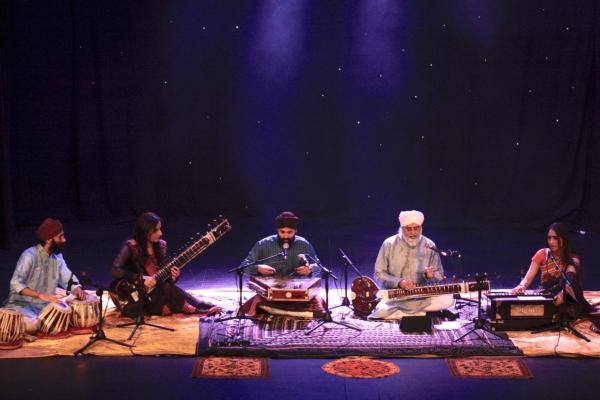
(144, 225)
(567, 250)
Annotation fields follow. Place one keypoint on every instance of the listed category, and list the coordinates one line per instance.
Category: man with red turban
(39, 271)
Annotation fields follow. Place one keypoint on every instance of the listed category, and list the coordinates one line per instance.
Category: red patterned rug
(360, 367)
(231, 367)
(489, 367)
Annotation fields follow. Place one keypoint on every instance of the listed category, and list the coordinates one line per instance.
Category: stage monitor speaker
(411, 324)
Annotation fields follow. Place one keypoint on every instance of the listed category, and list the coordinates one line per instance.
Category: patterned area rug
(360, 367)
(489, 367)
(286, 337)
(231, 367)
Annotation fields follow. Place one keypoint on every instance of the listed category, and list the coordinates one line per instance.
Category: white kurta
(398, 260)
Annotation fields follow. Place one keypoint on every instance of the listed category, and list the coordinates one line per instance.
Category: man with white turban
(407, 260)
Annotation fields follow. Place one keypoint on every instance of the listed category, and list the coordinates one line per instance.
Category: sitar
(126, 289)
(366, 294)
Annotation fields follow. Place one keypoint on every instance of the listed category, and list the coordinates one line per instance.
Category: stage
(287, 337)
(109, 372)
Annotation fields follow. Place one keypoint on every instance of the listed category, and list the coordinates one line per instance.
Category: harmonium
(520, 312)
(291, 289)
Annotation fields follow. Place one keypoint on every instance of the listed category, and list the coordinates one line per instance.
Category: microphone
(70, 283)
(580, 232)
(440, 252)
(345, 257)
(303, 258)
(286, 246)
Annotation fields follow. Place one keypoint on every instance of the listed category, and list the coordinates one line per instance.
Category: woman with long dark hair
(553, 262)
(143, 254)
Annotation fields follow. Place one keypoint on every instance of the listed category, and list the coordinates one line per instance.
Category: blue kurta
(39, 271)
(270, 246)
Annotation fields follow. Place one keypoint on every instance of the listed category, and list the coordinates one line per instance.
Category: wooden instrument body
(525, 311)
(85, 315)
(11, 329)
(366, 294)
(279, 289)
(55, 319)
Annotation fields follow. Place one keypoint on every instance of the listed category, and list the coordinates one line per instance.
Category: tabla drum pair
(59, 320)
(12, 329)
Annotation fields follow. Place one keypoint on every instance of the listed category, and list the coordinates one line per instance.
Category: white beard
(411, 242)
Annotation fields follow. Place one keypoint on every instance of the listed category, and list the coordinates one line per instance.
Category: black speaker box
(411, 324)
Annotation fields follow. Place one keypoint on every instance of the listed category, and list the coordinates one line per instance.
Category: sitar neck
(425, 291)
(192, 250)
(434, 290)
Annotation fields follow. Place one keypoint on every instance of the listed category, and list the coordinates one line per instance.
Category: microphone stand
(347, 263)
(455, 255)
(241, 314)
(479, 323)
(99, 335)
(143, 299)
(563, 322)
(240, 282)
(326, 273)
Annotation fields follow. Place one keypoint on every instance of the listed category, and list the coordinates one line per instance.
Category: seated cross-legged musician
(554, 262)
(39, 271)
(407, 260)
(144, 253)
(281, 259)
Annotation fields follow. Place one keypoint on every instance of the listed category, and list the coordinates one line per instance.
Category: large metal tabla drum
(54, 321)
(85, 315)
(11, 329)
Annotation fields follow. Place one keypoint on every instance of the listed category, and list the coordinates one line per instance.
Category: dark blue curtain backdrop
(479, 113)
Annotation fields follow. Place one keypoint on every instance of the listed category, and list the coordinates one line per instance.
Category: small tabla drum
(11, 329)
(54, 321)
(85, 315)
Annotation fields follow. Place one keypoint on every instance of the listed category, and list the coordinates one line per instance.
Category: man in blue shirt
(39, 271)
(283, 256)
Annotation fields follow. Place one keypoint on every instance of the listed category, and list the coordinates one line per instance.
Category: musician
(559, 255)
(283, 255)
(407, 260)
(140, 258)
(39, 271)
